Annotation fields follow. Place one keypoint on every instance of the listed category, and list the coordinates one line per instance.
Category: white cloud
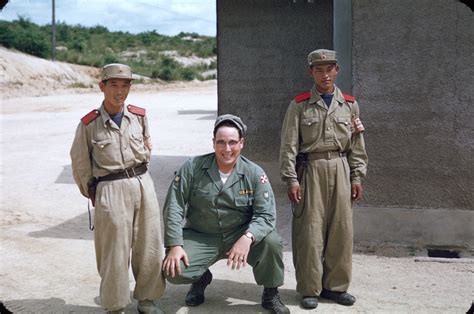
(168, 17)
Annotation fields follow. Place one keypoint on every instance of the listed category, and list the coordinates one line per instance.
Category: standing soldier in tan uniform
(110, 156)
(322, 160)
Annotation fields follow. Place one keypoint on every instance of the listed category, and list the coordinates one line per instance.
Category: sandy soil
(47, 261)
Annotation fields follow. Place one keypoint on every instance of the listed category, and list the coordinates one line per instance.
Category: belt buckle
(133, 174)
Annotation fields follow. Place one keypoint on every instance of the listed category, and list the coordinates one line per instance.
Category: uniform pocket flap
(137, 136)
(343, 120)
(242, 200)
(309, 121)
(102, 143)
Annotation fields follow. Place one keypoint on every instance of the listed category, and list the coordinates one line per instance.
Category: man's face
(115, 92)
(324, 76)
(227, 146)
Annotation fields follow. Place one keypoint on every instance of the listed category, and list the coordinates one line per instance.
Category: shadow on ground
(51, 305)
(222, 296)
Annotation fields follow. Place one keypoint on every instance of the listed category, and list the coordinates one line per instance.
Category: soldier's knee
(273, 242)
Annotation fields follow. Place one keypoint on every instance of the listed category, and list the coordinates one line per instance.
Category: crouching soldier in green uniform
(230, 214)
(322, 138)
(110, 156)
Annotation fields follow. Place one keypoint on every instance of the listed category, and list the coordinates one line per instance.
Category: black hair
(227, 123)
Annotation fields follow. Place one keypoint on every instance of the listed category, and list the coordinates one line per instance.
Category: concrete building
(409, 64)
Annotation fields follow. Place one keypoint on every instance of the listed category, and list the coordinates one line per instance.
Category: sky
(167, 17)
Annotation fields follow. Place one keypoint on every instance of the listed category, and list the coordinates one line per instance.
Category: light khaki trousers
(127, 221)
(322, 232)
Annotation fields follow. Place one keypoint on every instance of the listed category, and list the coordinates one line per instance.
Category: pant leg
(203, 250)
(338, 254)
(309, 229)
(112, 238)
(147, 245)
(266, 258)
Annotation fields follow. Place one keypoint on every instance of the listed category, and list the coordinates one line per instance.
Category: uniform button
(125, 148)
(329, 128)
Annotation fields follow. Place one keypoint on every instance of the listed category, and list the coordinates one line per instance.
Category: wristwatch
(249, 235)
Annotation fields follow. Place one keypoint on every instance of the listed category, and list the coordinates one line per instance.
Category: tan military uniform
(322, 223)
(127, 214)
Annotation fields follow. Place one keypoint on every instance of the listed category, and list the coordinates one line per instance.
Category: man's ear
(101, 86)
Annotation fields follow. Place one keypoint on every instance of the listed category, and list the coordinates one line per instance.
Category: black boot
(195, 294)
(342, 298)
(271, 301)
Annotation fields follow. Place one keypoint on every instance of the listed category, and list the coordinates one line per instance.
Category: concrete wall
(413, 76)
(262, 48)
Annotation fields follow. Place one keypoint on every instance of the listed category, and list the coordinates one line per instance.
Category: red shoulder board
(303, 96)
(349, 98)
(91, 116)
(136, 110)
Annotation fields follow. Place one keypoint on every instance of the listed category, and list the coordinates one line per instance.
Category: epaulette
(137, 110)
(349, 98)
(91, 116)
(302, 97)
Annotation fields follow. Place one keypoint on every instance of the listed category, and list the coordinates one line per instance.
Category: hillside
(184, 57)
(25, 75)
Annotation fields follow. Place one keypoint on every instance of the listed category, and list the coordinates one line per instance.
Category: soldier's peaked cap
(116, 70)
(234, 119)
(321, 56)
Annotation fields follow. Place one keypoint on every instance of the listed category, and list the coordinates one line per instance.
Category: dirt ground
(47, 260)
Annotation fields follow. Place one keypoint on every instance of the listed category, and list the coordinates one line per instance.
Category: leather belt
(328, 155)
(127, 173)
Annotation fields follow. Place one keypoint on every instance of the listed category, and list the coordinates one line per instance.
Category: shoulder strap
(137, 110)
(348, 98)
(91, 116)
(302, 97)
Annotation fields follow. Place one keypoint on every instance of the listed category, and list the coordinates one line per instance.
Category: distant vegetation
(150, 53)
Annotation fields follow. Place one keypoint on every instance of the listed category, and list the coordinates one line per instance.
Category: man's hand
(294, 194)
(356, 191)
(237, 255)
(172, 259)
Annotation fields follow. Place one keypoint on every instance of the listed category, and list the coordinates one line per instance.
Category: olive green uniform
(322, 233)
(127, 214)
(218, 214)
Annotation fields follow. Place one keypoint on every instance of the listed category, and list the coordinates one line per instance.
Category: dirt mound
(25, 75)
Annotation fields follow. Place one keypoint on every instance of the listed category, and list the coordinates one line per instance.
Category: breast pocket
(343, 125)
(137, 143)
(102, 150)
(242, 201)
(310, 128)
(200, 199)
